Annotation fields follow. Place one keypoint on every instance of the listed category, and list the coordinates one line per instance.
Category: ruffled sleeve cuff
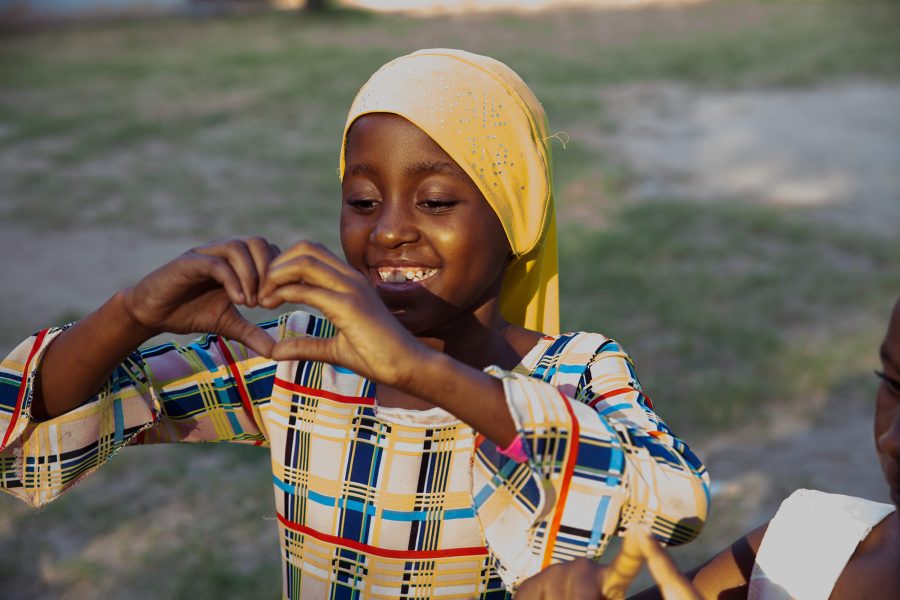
(41, 460)
(564, 501)
(17, 372)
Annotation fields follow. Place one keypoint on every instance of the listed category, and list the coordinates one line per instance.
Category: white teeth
(391, 275)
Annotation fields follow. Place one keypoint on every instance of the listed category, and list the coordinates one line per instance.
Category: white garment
(808, 543)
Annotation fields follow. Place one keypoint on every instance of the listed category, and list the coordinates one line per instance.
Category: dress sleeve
(209, 390)
(595, 461)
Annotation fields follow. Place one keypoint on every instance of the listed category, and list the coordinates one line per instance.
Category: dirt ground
(832, 150)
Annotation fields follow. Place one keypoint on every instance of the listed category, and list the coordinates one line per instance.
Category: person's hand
(583, 579)
(369, 340)
(672, 584)
(198, 292)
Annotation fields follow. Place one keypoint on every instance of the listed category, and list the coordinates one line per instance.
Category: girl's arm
(195, 293)
(94, 393)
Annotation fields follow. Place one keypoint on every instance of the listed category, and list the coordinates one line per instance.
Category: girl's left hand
(369, 340)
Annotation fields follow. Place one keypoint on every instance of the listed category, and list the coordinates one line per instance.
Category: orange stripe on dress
(317, 393)
(383, 552)
(21, 396)
(564, 486)
(610, 394)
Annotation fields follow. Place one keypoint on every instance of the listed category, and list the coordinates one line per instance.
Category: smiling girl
(431, 434)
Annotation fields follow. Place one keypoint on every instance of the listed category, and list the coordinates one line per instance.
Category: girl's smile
(402, 274)
(419, 228)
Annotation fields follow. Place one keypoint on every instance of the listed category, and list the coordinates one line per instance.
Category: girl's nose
(394, 228)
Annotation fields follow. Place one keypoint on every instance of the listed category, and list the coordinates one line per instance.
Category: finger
(303, 348)
(308, 270)
(623, 569)
(262, 253)
(238, 256)
(240, 329)
(221, 272)
(320, 251)
(301, 293)
(540, 586)
(672, 584)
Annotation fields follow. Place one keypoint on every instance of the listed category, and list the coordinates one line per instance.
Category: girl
(431, 434)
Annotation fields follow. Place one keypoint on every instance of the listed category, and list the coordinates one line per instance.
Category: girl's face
(416, 225)
(887, 410)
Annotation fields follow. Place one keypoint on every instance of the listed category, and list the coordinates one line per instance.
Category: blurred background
(729, 201)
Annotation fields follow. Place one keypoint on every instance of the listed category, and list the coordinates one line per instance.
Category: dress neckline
(437, 416)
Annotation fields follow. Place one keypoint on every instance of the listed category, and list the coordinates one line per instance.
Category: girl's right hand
(198, 292)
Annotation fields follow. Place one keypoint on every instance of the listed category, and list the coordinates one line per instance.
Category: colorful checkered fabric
(384, 502)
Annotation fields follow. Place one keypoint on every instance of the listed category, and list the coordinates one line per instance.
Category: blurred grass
(178, 122)
(229, 126)
(739, 306)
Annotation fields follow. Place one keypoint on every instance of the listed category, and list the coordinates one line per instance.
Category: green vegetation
(188, 118)
(740, 306)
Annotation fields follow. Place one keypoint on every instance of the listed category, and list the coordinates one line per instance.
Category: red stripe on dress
(239, 382)
(564, 486)
(383, 552)
(21, 396)
(308, 391)
(610, 394)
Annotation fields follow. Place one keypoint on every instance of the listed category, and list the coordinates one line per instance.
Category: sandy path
(833, 150)
(71, 271)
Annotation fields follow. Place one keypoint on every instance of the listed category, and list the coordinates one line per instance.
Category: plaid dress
(385, 502)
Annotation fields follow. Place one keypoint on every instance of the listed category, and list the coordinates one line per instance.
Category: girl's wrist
(416, 378)
(118, 310)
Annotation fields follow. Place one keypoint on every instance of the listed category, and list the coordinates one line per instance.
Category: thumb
(671, 583)
(251, 335)
(303, 348)
(623, 569)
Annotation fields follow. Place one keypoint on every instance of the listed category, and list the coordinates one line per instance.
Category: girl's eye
(362, 204)
(438, 205)
(892, 384)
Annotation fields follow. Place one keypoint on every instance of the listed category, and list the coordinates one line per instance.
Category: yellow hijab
(490, 123)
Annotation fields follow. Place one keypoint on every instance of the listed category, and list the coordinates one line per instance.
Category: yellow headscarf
(490, 123)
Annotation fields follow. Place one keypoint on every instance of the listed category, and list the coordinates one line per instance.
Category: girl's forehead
(391, 136)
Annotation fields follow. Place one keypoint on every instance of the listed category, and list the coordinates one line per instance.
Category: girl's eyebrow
(444, 167)
(361, 168)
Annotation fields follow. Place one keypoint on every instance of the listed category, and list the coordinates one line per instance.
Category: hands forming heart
(199, 292)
